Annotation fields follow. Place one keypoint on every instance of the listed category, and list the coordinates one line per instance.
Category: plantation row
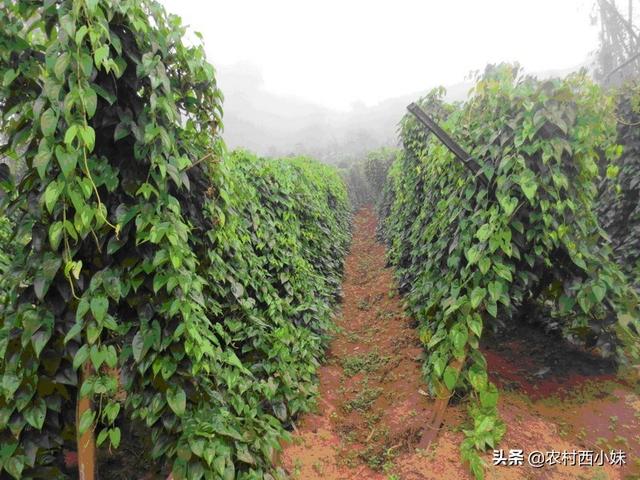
(619, 200)
(152, 282)
(518, 239)
(185, 291)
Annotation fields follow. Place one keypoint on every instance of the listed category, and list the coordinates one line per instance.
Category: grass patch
(363, 400)
(366, 362)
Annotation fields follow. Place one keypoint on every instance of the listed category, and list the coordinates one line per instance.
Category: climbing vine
(152, 274)
(519, 240)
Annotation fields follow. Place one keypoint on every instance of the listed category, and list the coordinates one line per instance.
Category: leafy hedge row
(140, 247)
(619, 201)
(5, 234)
(365, 179)
(518, 241)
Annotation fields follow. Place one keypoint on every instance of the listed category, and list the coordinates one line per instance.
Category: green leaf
(48, 122)
(566, 304)
(88, 136)
(67, 160)
(177, 400)
(70, 135)
(137, 346)
(36, 414)
(473, 255)
(101, 54)
(495, 290)
(508, 204)
(61, 66)
(244, 456)
(502, 271)
(484, 264)
(477, 295)
(97, 355)
(40, 339)
(484, 232)
(477, 378)
(90, 102)
(52, 193)
(81, 356)
(99, 306)
(237, 289)
(80, 34)
(102, 436)
(68, 23)
(55, 235)
(42, 159)
(9, 76)
(14, 466)
(111, 356)
(86, 421)
(86, 63)
(598, 292)
(489, 396)
(486, 424)
(474, 322)
(114, 437)
(528, 184)
(492, 308)
(73, 332)
(450, 377)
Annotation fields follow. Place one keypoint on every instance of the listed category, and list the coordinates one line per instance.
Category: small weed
(364, 304)
(367, 362)
(363, 400)
(563, 429)
(297, 467)
(372, 418)
(620, 440)
(378, 457)
(352, 337)
(318, 467)
(385, 314)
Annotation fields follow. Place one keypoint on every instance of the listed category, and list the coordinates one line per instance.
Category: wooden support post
(460, 153)
(86, 441)
(443, 394)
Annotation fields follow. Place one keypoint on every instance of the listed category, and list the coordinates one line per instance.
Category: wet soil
(373, 405)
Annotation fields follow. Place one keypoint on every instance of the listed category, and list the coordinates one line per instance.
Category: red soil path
(372, 405)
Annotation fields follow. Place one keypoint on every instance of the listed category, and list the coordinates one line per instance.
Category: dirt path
(370, 386)
(372, 404)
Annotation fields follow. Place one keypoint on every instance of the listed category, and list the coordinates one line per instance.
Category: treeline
(169, 287)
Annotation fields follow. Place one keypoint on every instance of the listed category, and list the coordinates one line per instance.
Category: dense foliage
(365, 179)
(619, 202)
(358, 188)
(376, 167)
(141, 248)
(5, 235)
(518, 241)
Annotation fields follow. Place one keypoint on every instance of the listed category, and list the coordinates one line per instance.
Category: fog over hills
(278, 125)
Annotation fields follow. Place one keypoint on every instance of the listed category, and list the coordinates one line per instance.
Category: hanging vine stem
(87, 171)
(67, 250)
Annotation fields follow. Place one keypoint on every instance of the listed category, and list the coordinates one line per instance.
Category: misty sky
(337, 53)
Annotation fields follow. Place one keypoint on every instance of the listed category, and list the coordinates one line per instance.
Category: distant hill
(278, 125)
